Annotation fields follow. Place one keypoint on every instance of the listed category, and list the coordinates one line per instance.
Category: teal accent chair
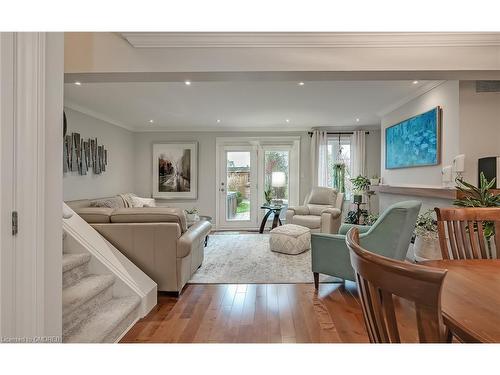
(390, 236)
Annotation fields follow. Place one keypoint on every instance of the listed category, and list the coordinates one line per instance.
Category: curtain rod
(337, 133)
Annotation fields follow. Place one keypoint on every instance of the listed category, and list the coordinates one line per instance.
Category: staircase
(91, 311)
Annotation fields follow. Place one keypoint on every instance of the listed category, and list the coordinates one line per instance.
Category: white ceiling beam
(304, 40)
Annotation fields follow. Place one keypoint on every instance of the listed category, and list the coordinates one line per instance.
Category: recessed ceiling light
(415, 82)
(301, 83)
(287, 120)
(78, 83)
(188, 83)
(357, 120)
(151, 121)
(218, 121)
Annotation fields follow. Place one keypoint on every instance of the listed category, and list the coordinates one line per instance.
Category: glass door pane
(276, 175)
(238, 177)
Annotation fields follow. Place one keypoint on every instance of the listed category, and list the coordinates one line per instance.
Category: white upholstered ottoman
(290, 239)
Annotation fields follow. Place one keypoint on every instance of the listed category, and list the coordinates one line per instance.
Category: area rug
(247, 259)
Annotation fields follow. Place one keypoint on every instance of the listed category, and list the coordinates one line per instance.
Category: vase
(374, 181)
(426, 249)
(357, 198)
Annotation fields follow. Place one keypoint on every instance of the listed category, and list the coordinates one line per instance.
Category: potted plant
(357, 196)
(375, 180)
(426, 244)
(268, 195)
(360, 185)
(192, 214)
(482, 196)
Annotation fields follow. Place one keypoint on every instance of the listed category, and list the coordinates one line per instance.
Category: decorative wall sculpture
(80, 155)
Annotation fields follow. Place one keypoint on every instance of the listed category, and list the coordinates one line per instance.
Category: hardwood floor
(254, 313)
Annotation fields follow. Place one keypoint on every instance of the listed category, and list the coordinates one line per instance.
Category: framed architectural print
(175, 170)
(414, 142)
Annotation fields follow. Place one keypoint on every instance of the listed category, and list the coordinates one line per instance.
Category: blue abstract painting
(414, 142)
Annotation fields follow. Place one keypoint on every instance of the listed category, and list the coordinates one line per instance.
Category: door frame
(259, 143)
(31, 103)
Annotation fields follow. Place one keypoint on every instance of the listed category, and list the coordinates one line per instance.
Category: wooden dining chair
(380, 278)
(462, 235)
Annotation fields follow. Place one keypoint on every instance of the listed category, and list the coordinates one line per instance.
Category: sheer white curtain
(319, 158)
(358, 154)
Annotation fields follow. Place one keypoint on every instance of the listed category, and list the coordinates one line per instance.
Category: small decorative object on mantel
(175, 170)
(459, 166)
(447, 176)
(79, 155)
(374, 181)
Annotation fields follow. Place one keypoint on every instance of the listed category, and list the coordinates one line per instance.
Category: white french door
(246, 168)
(237, 187)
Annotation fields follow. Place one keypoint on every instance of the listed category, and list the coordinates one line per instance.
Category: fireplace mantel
(418, 191)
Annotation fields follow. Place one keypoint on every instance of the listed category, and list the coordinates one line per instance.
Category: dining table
(470, 298)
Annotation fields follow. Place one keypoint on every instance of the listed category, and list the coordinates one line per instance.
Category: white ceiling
(241, 105)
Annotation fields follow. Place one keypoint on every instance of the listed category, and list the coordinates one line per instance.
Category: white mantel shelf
(418, 191)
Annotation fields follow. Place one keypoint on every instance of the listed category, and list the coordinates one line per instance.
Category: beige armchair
(321, 212)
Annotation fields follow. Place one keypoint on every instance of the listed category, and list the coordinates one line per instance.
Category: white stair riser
(74, 319)
(75, 274)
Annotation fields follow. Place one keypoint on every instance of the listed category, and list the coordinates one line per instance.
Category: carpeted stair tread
(107, 317)
(70, 261)
(84, 290)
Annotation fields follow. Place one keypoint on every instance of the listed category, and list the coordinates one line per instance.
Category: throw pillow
(143, 202)
(127, 198)
(114, 202)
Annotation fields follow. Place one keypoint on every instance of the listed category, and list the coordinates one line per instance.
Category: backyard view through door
(238, 187)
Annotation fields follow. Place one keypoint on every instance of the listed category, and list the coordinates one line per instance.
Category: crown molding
(226, 129)
(89, 112)
(310, 40)
(421, 91)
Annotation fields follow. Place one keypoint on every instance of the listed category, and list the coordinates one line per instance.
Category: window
(339, 164)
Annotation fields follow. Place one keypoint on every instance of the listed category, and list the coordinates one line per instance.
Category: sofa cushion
(308, 221)
(94, 214)
(150, 215)
(112, 202)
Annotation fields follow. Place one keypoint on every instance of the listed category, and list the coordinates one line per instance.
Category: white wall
(446, 96)
(120, 171)
(207, 186)
(479, 126)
